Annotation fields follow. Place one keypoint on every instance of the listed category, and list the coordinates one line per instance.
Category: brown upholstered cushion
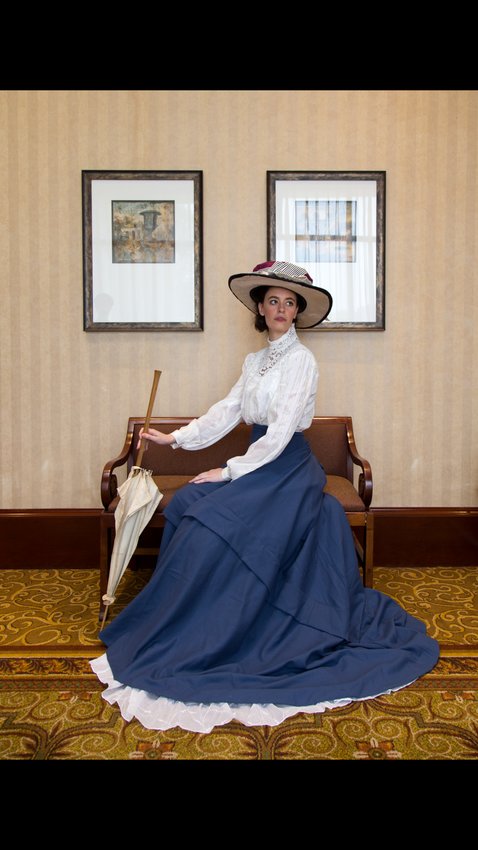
(168, 485)
(164, 461)
(345, 492)
(329, 444)
(337, 486)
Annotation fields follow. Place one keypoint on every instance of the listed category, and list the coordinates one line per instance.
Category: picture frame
(332, 223)
(142, 250)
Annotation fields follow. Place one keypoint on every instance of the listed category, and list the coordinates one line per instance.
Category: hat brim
(319, 301)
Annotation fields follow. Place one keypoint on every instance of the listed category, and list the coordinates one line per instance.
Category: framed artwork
(332, 223)
(142, 250)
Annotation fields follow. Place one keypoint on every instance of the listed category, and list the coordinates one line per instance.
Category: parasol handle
(143, 446)
(105, 612)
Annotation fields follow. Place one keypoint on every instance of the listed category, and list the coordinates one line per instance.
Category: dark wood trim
(426, 537)
(50, 539)
(70, 538)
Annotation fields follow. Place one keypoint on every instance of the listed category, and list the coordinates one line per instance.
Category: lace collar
(277, 348)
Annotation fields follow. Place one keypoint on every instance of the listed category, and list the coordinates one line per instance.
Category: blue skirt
(257, 598)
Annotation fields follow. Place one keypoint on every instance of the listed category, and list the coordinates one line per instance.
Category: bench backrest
(327, 437)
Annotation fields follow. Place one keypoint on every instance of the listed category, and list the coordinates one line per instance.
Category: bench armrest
(365, 483)
(109, 482)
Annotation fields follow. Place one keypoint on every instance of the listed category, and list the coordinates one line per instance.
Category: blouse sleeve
(294, 398)
(221, 418)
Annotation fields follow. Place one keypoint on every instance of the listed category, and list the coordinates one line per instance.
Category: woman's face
(279, 309)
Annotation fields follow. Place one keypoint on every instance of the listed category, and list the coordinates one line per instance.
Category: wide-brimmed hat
(276, 273)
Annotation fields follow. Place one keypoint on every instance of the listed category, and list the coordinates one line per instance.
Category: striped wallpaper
(411, 390)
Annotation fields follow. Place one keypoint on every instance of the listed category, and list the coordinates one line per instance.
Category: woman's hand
(155, 437)
(209, 477)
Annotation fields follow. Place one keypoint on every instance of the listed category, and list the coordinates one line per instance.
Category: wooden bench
(331, 438)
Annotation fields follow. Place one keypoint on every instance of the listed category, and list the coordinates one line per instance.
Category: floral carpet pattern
(51, 706)
(60, 607)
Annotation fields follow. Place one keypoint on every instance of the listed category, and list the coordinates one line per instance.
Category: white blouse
(277, 388)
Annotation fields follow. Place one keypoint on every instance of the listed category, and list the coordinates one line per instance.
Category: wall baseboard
(49, 539)
(426, 537)
(69, 538)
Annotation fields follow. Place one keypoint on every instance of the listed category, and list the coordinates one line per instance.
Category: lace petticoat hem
(162, 713)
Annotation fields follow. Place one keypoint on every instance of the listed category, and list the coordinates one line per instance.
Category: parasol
(139, 498)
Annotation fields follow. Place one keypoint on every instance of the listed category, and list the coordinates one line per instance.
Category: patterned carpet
(41, 608)
(51, 706)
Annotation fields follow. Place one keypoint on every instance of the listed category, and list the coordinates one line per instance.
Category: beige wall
(66, 394)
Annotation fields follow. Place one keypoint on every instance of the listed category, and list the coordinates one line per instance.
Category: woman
(256, 609)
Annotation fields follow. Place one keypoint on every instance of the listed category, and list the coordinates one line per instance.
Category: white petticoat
(162, 713)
